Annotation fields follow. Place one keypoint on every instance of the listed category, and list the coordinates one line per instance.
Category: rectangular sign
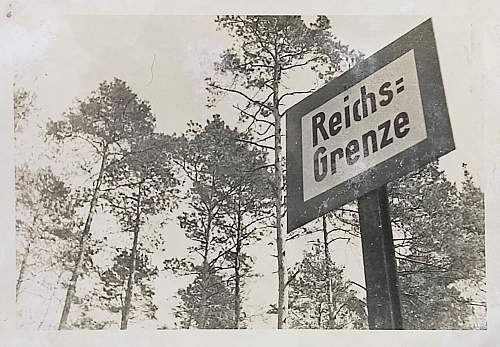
(380, 120)
(367, 124)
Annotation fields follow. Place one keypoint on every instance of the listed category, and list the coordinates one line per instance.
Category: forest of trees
(94, 209)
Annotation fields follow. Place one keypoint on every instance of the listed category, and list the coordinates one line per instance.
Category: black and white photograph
(318, 173)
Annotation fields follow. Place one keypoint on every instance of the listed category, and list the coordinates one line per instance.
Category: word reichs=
(371, 141)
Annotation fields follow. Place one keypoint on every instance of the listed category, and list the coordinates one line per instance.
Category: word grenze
(368, 104)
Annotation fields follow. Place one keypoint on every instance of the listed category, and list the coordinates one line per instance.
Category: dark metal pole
(384, 309)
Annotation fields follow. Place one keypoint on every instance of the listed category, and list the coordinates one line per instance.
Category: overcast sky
(165, 59)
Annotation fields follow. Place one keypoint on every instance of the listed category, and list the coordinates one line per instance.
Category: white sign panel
(367, 124)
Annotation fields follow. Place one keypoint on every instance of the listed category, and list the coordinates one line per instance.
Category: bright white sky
(165, 61)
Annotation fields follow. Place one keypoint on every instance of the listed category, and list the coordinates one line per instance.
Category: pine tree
(24, 102)
(45, 219)
(265, 51)
(106, 121)
(320, 297)
(435, 248)
(228, 198)
(191, 313)
(117, 292)
(142, 185)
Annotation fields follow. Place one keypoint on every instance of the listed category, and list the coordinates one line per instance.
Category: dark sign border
(439, 139)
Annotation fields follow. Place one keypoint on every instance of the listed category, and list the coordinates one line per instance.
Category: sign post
(384, 310)
(379, 121)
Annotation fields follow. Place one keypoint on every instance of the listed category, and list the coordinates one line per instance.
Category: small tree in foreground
(320, 297)
(191, 314)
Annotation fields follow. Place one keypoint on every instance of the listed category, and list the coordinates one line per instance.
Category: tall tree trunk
(320, 310)
(48, 305)
(130, 282)
(27, 251)
(82, 244)
(331, 316)
(132, 266)
(205, 276)
(237, 278)
(22, 268)
(278, 181)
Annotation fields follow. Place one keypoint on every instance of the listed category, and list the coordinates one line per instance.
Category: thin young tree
(228, 188)
(126, 292)
(221, 311)
(329, 303)
(245, 210)
(104, 123)
(320, 296)
(265, 51)
(45, 214)
(142, 185)
(199, 158)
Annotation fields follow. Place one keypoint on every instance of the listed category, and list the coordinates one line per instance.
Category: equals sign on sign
(401, 87)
